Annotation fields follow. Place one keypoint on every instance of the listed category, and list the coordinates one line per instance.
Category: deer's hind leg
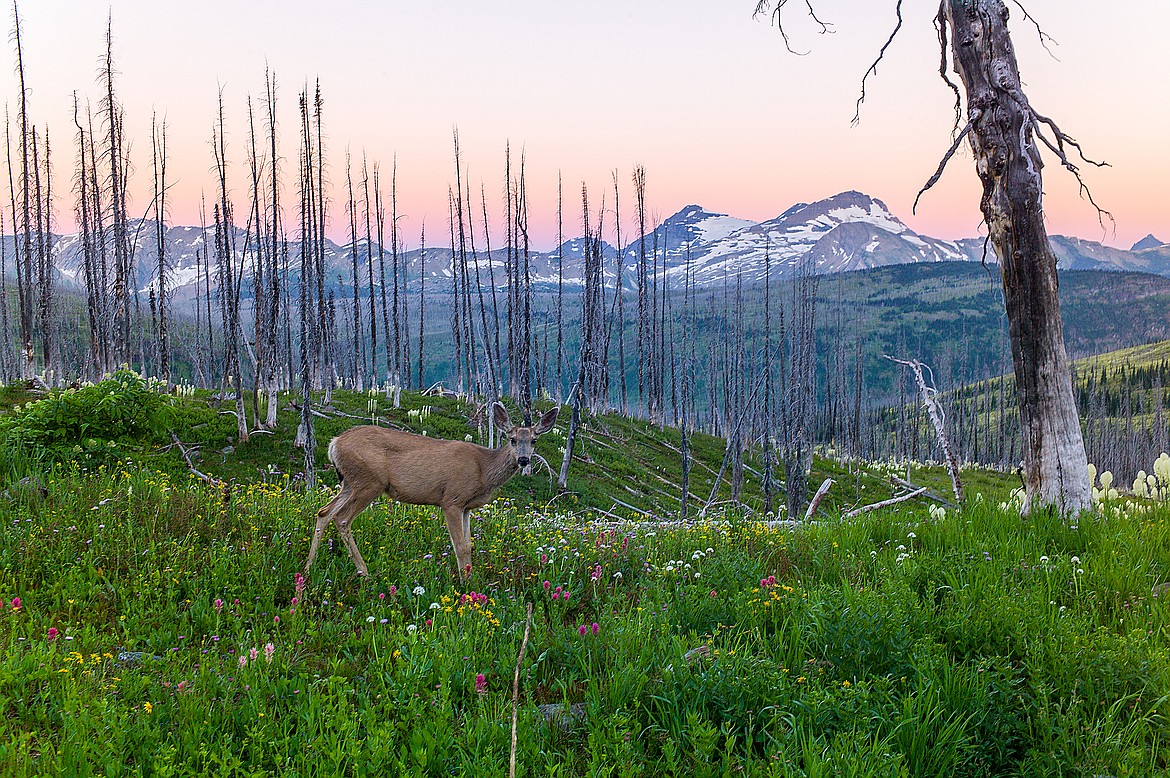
(324, 516)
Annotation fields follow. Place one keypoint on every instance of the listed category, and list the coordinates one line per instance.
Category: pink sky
(699, 92)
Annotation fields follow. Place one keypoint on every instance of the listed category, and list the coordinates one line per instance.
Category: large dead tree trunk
(1003, 130)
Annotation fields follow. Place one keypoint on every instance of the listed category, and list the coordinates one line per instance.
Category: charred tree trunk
(1003, 130)
(159, 146)
(44, 210)
(422, 301)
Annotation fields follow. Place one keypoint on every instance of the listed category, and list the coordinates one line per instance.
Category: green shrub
(90, 421)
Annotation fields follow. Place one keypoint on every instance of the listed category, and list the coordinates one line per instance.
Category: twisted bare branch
(946, 158)
(873, 67)
(940, 26)
(1057, 146)
(1045, 38)
(764, 6)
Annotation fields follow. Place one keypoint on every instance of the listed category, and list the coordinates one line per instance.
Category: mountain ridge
(847, 231)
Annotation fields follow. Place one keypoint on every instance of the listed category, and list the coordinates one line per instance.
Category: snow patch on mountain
(848, 231)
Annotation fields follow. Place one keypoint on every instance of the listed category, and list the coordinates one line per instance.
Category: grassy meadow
(153, 624)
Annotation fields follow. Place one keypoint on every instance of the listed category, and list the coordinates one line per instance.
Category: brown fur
(454, 475)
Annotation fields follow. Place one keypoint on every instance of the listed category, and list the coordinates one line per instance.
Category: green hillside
(1123, 398)
(154, 624)
(622, 467)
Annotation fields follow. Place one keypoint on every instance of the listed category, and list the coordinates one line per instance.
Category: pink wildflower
(253, 653)
(381, 595)
(243, 660)
(480, 684)
(269, 650)
(546, 585)
(15, 603)
(596, 572)
(393, 590)
(581, 630)
(218, 605)
(300, 583)
(596, 628)
(52, 633)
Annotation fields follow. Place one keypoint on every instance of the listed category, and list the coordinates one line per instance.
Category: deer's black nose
(522, 461)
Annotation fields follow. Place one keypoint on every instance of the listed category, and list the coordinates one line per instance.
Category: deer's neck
(501, 466)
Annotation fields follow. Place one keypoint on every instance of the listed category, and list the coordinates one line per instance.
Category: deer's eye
(513, 441)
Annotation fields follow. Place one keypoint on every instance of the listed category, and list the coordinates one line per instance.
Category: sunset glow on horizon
(701, 94)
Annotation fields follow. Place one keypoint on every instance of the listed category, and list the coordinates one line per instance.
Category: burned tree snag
(1004, 128)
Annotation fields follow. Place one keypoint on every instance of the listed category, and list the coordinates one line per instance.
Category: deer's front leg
(455, 517)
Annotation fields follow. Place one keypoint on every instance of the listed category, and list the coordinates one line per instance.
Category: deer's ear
(547, 421)
(500, 415)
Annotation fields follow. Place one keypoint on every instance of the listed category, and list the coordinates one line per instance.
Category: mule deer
(454, 475)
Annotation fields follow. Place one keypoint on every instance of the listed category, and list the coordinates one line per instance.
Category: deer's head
(520, 439)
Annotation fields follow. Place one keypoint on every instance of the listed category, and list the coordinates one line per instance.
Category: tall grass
(161, 629)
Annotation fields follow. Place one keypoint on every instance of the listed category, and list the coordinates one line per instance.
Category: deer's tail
(332, 453)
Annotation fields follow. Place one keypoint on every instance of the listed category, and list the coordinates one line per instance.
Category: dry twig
(884, 503)
(516, 692)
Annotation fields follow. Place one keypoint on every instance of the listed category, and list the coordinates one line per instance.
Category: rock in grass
(28, 488)
(564, 718)
(130, 658)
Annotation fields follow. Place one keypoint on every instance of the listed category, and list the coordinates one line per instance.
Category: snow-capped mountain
(691, 228)
(1148, 242)
(848, 231)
